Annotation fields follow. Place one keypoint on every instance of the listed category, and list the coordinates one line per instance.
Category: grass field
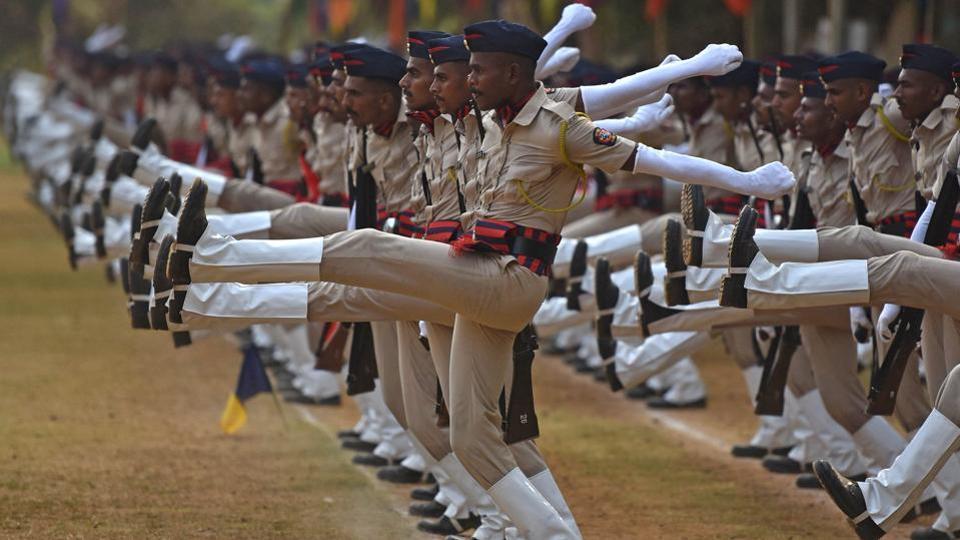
(106, 432)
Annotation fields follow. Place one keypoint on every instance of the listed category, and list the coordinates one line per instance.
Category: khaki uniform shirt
(828, 187)
(880, 160)
(528, 171)
(239, 141)
(929, 142)
(745, 147)
(275, 139)
(712, 138)
(447, 158)
(392, 160)
(951, 158)
(330, 157)
(218, 132)
(179, 118)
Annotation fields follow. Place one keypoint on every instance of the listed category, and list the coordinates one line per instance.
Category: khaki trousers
(833, 358)
(494, 297)
(306, 220)
(859, 242)
(526, 453)
(940, 340)
(651, 226)
(244, 196)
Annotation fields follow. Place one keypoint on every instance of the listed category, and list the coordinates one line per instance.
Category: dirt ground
(107, 432)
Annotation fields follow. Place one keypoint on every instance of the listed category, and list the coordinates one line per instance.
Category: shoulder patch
(604, 137)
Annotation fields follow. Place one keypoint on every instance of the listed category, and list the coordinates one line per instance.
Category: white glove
(563, 60)
(603, 100)
(645, 118)
(717, 59)
(769, 181)
(860, 324)
(574, 18)
(886, 318)
(764, 335)
(577, 17)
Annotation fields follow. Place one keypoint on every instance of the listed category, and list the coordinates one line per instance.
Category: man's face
(224, 102)
(449, 87)
(689, 96)
(761, 102)
(918, 92)
(489, 79)
(786, 101)
(332, 100)
(415, 84)
(727, 101)
(813, 120)
(847, 99)
(362, 100)
(160, 80)
(297, 100)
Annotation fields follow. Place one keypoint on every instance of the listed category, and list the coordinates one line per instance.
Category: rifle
(254, 167)
(362, 369)
(520, 422)
(776, 370)
(858, 203)
(885, 378)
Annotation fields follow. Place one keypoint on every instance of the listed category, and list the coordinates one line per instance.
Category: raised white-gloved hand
(645, 118)
(717, 59)
(860, 324)
(603, 100)
(577, 17)
(563, 60)
(574, 18)
(769, 181)
(886, 318)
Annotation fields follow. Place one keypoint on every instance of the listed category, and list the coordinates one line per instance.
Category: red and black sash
(404, 225)
(533, 248)
(445, 231)
(732, 204)
(899, 225)
(647, 199)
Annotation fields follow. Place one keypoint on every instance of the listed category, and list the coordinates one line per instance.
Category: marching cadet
(273, 137)
(177, 113)
(329, 130)
(878, 503)
(504, 259)
(228, 131)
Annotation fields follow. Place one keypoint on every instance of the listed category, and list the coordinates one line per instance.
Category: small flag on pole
(253, 380)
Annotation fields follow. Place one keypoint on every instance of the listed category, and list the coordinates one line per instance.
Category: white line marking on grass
(685, 429)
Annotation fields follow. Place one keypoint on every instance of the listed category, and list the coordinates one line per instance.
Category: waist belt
(533, 248)
(953, 237)
(648, 199)
(900, 224)
(404, 225)
(445, 231)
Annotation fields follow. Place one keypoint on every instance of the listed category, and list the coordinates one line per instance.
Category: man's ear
(513, 74)
(864, 91)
